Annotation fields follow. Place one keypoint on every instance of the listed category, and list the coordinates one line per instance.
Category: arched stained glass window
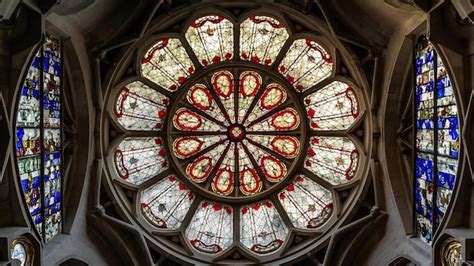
(261, 39)
(437, 139)
(39, 138)
(246, 151)
(212, 39)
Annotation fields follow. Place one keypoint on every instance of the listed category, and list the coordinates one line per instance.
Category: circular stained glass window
(236, 135)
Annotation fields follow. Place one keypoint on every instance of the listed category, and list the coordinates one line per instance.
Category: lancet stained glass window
(244, 124)
(437, 139)
(39, 138)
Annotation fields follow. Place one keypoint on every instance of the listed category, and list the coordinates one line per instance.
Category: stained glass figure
(437, 140)
(212, 39)
(200, 168)
(334, 107)
(38, 142)
(167, 64)
(140, 107)
(335, 159)
(308, 204)
(262, 230)
(261, 39)
(211, 228)
(139, 159)
(306, 64)
(166, 203)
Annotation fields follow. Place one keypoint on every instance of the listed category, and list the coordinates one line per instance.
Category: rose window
(236, 135)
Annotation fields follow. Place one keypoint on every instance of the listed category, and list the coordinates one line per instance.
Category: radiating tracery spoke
(223, 85)
(250, 158)
(249, 84)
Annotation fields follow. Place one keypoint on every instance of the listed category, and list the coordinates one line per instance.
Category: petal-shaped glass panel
(140, 107)
(139, 159)
(306, 64)
(223, 181)
(284, 145)
(30, 174)
(201, 97)
(273, 96)
(249, 84)
(284, 120)
(27, 141)
(167, 64)
(200, 168)
(307, 203)
(334, 107)
(261, 39)
(28, 108)
(249, 180)
(334, 159)
(211, 229)
(212, 39)
(184, 147)
(166, 203)
(223, 85)
(187, 120)
(273, 169)
(261, 228)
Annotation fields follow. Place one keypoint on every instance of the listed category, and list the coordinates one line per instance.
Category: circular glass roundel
(239, 136)
(237, 149)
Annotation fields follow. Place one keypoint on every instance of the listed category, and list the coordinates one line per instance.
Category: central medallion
(235, 135)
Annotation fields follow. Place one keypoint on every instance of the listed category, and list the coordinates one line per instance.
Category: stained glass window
(334, 159)
(306, 64)
(212, 39)
(236, 157)
(261, 39)
(307, 203)
(167, 64)
(211, 230)
(261, 228)
(437, 139)
(139, 107)
(334, 107)
(139, 159)
(166, 203)
(39, 138)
